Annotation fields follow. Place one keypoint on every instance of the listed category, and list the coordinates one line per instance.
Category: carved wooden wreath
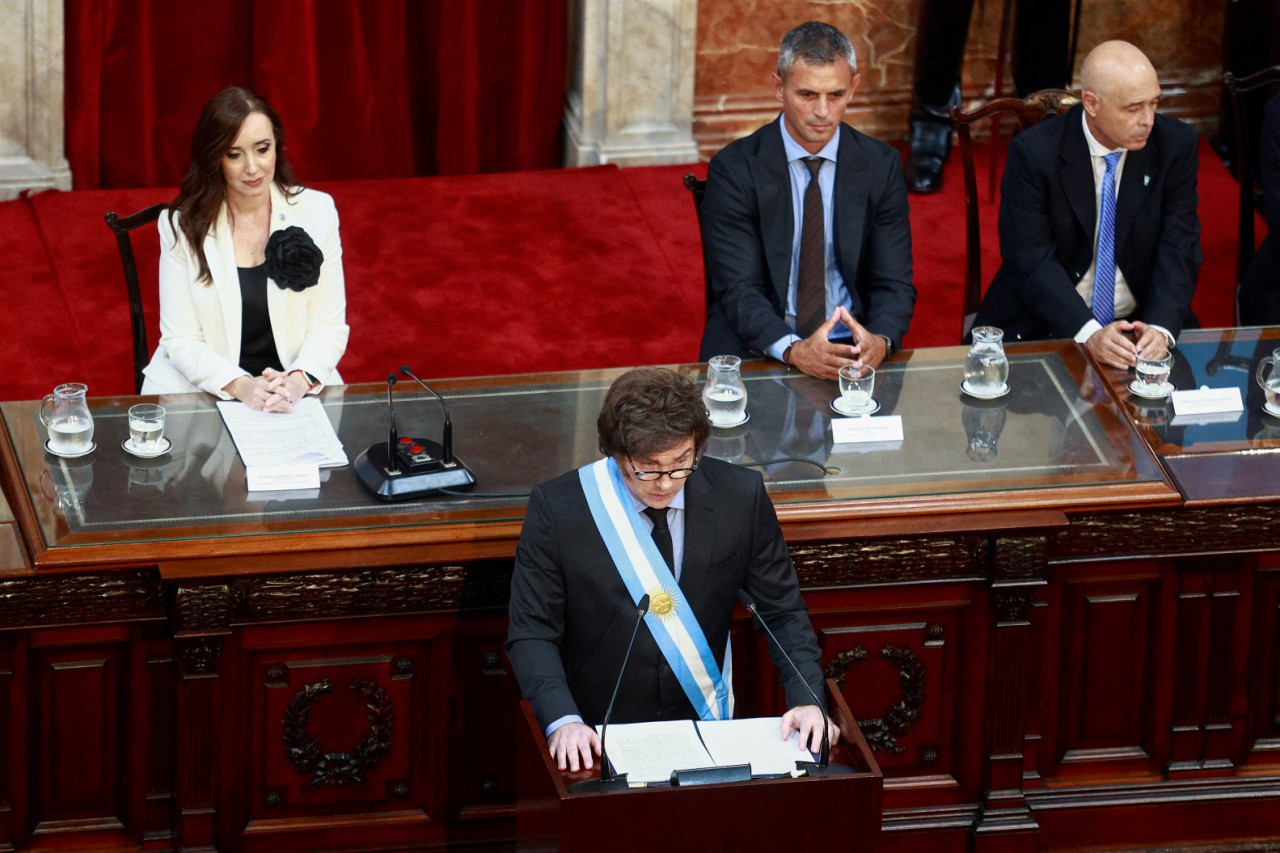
(337, 768)
(899, 717)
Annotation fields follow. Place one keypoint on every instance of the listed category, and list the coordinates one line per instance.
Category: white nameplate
(274, 478)
(1207, 401)
(863, 429)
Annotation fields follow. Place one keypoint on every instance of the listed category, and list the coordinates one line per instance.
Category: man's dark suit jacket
(571, 615)
(748, 229)
(1260, 290)
(1047, 221)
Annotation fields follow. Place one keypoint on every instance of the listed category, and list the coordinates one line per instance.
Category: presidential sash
(670, 619)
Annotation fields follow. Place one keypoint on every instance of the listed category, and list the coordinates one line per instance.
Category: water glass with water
(857, 385)
(146, 428)
(1153, 373)
(724, 394)
(986, 368)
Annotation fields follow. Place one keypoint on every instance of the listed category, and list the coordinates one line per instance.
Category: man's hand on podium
(574, 746)
(807, 719)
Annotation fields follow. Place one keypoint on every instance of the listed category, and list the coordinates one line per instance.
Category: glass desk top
(1213, 457)
(1048, 443)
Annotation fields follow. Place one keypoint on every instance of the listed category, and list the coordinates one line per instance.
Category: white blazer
(200, 322)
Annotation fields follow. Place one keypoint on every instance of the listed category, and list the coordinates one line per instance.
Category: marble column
(629, 92)
(32, 151)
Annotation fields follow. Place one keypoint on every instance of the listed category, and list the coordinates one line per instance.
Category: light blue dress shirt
(837, 293)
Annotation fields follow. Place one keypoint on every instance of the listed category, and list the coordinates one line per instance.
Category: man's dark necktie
(662, 534)
(811, 289)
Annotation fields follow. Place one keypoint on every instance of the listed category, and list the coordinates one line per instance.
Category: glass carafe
(65, 413)
(986, 369)
(1269, 380)
(724, 395)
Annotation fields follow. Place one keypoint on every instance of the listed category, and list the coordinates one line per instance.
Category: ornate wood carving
(200, 654)
(374, 592)
(882, 733)
(337, 768)
(1170, 531)
(1020, 557)
(60, 599)
(886, 560)
(204, 607)
(1013, 605)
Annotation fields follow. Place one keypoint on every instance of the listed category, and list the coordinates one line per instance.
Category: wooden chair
(698, 189)
(1028, 111)
(1246, 133)
(137, 323)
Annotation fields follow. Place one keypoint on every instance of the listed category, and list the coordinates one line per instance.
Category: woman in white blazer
(252, 300)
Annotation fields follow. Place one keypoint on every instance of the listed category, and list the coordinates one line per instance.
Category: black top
(257, 343)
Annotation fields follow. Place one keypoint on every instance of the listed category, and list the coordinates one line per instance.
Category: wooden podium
(762, 814)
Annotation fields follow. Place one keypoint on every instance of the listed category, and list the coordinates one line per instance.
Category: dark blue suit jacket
(1260, 290)
(1047, 221)
(748, 228)
(571, 615)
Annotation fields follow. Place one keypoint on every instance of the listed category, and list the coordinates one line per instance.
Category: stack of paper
(649, 752)
(267, 439)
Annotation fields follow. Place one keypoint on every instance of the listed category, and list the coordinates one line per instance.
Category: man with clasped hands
(804, 225)
(653, 517)
(1099, 235)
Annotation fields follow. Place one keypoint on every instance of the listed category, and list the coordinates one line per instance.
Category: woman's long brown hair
(204, 189)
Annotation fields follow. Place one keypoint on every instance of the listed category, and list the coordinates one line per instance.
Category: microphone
(821, 767)
(392, 438)
(608, 781)
(446, 440)
(407, 468)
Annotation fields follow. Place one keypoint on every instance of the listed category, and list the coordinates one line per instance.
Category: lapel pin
(1146, 182)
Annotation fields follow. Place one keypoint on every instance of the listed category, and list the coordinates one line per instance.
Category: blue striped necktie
(1104, 274)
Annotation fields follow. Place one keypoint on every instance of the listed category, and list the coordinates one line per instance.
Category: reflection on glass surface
(1216, 358)
(1046, 433)
(983, 423)
(1050, 433)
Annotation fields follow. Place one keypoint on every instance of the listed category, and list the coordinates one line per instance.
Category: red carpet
(499, 273)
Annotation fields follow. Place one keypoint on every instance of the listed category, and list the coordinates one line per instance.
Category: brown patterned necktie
(811, 289)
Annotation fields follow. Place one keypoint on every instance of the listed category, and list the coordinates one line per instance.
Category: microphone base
(412, 479)
(618, 782)
(813, 768)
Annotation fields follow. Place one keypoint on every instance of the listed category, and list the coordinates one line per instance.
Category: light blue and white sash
(670, 618)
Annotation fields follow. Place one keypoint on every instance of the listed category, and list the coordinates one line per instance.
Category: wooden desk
(183, 663)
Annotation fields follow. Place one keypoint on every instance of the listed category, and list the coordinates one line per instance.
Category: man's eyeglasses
(650, 476)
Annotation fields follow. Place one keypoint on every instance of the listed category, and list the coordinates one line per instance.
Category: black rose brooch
(293, 259)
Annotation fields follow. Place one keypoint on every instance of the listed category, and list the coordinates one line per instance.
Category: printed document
(650, 752)
(301, 437)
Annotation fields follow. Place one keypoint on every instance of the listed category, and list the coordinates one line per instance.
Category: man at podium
(652, 518)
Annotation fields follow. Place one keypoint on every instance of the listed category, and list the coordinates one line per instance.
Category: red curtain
(365, 88)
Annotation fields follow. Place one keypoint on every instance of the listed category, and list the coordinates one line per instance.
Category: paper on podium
(301, 437)
(649, 752)
(756, 741)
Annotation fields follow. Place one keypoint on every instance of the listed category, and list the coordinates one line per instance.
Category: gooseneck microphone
(392, 438)
(407, 468)
(609, 781)
(822, 767)
(446, 440)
